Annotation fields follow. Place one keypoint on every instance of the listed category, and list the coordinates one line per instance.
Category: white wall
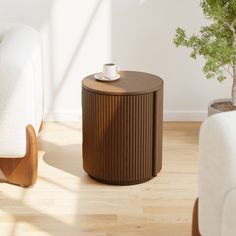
(80, 35)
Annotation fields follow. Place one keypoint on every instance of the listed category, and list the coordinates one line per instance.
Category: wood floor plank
(65, 201)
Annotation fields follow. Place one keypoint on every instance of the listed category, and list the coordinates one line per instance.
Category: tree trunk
(234, 87)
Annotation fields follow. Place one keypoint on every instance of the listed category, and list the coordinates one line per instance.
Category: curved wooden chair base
(23, 171)
(195, 227)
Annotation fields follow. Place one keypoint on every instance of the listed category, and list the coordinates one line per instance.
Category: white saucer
(101, 77)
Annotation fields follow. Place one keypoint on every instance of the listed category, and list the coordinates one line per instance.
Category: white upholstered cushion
(228, 225)
(20, 87)
(217, 175)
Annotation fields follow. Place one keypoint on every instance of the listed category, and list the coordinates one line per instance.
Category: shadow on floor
(67, 158)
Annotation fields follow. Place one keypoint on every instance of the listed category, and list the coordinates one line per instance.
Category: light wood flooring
(66, 202)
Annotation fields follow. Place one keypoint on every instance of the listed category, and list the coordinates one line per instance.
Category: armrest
(17, 44)
(20, 87)
(217, 169)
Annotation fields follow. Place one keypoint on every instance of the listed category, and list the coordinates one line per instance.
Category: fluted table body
(122, 128)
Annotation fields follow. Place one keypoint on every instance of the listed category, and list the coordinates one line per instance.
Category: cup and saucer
(110, 73)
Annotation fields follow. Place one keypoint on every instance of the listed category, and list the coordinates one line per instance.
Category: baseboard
(63, 116)
(168, 115)
(185, 115)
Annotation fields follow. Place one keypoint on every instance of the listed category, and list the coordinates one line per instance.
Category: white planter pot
(212, 111)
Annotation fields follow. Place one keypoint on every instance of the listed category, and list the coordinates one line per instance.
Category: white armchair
(215, 211)
(20, 102)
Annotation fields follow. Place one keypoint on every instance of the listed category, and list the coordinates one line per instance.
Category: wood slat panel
(118, 136)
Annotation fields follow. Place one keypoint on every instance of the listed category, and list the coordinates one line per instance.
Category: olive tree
(216, 42)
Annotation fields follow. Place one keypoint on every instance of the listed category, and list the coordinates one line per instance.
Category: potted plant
(216, 42)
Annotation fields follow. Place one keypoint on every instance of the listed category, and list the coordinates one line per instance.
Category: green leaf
(215, 42)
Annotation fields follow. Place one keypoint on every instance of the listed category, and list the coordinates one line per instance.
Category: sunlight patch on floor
(66, 201)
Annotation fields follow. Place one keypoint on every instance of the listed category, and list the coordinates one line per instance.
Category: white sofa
(20, 102)
(215, 212)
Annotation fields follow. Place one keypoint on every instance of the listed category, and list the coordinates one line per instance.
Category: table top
(130, 82)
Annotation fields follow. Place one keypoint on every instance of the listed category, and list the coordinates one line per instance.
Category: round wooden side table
(122, 128)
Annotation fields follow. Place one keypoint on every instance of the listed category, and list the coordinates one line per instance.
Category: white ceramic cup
(110, 70)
